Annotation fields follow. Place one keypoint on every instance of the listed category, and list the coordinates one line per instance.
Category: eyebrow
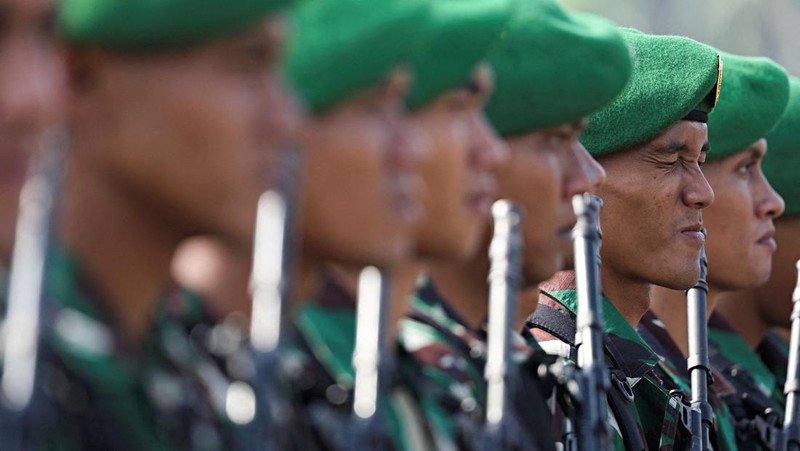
(677, 147)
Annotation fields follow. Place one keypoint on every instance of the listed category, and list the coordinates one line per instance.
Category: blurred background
(746, 27)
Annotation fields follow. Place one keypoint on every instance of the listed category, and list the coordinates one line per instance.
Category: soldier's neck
(740, 310)
(630, 297)
(464, 286)
(124, 248)
(670, 307)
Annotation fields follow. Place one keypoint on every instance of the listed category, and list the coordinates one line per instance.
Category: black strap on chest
(620, 397)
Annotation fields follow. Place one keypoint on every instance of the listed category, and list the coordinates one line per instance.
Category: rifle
(791, 422)
(505, 254)
(370, 360)
(701, 415)
(593, 428)
(270, 286)
(20, 388)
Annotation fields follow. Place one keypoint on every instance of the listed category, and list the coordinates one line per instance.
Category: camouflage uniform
(758, 401)
(450, 355)
(321, 375)
(673, 372)
(97, 393)
(642, 413)
(774, 353)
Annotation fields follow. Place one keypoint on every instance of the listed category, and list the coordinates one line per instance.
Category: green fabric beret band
(148, 25)
(756, 93)
(553, 67)
(672, 76)
(460, 33)
(782, 164)
(340, 47)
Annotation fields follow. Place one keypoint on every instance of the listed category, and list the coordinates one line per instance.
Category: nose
(583, 173)
(487, 150)
(697, 193)
(28, 87)
(286, 118)
(770, 205)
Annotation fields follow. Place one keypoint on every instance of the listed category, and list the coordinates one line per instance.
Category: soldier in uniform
(360, 197)
(739, 245)
(176, 114)
(652, 142)
(751, 314)
(539, 112)
(31, 104)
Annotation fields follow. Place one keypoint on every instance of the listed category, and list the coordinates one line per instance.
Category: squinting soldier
(739, 244)
(176, 115)
(651, 141)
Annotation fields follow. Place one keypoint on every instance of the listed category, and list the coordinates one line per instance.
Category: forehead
(23, 8)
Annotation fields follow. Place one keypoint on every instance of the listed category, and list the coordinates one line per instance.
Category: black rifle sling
(620, 398)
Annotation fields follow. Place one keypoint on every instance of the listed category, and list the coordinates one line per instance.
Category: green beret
(553, 67)
(460, 34)
(756, 93)
(340, 47)
(782, 164)
(131, 25)
(672, 76)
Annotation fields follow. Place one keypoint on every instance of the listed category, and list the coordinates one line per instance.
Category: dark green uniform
(101, 393)
(673, 371)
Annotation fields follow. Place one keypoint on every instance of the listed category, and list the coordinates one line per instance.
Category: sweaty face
(31, 99)
(192, 135)
(774, 298)
(361, 186)
(460, 183)
(654, 195)
(544, 171)
(740, 231)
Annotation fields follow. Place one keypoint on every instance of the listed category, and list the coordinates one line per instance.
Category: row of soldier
(203, 257)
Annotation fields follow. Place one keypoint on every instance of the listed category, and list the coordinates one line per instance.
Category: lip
(693, 233)
(768, 239)
(481, 194)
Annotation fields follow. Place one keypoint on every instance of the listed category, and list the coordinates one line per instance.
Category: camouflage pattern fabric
(672, 371)
(101, 392)
(321, 374)
(631, 362)
(774, 354)
(450, 355)
(758, 402)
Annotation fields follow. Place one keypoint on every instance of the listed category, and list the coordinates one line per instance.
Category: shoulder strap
(554, 322)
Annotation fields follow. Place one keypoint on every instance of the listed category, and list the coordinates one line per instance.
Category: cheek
(444, 171)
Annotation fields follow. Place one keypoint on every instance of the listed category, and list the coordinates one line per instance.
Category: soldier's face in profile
(361, 186)
(191, 134)
(31, 99)
(654, 195)
(741, 234)
(774, 298)
(460, 183)
(544, 171)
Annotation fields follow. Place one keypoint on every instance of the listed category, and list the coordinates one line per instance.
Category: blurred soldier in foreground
(176, 114)
(31, 103)
(652, 142)
(739, 245)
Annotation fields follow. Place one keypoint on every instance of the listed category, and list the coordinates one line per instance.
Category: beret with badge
(673, 78)
(755, 97)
